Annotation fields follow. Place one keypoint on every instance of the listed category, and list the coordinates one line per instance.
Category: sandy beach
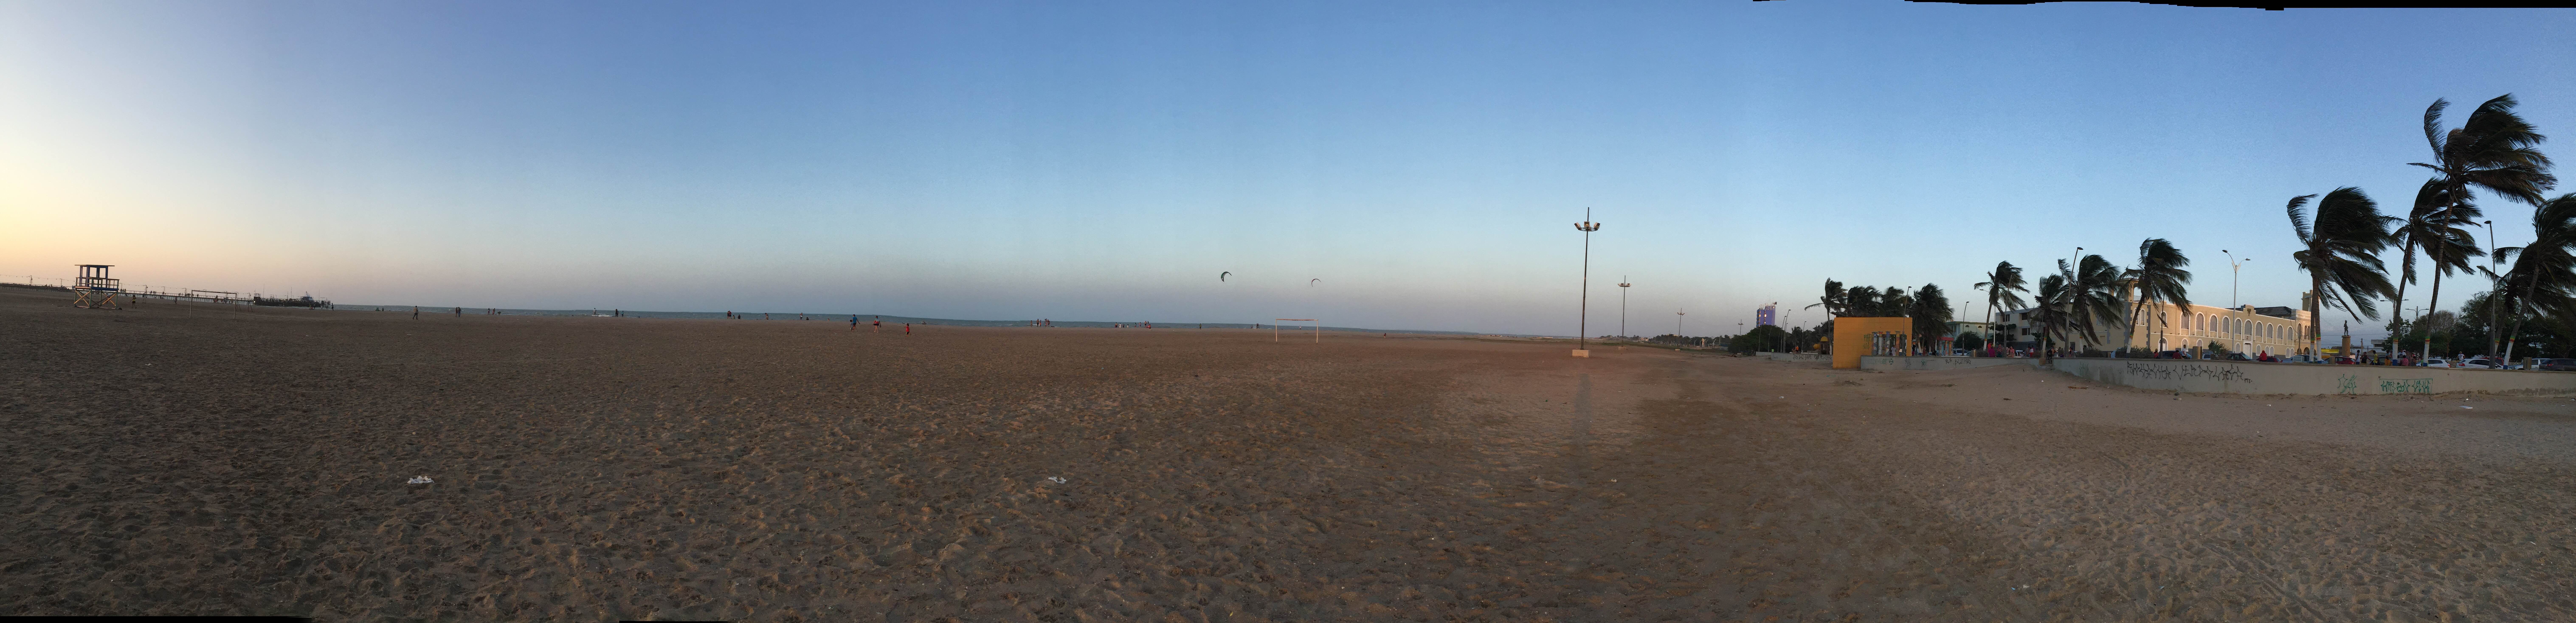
(201, 459)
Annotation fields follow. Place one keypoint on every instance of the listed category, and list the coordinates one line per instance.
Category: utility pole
(1623, 304)
(1582, 343)
(2235, 265)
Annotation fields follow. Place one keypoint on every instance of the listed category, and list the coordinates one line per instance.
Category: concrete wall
(1868, 362)
(2243, 377)
(2239, 377)
(1793, 356)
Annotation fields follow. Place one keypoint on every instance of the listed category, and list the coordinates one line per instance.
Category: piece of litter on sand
(2467, 407)
(1056, 479)
(419, 480)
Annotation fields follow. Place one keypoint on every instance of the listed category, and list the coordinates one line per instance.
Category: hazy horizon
(1003, 161)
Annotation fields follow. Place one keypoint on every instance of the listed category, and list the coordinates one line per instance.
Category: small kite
(1221, 276)
(1311, 282)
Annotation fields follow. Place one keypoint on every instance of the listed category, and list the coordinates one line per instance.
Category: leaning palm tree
(2159, 279)
(2411, 234)
(2004, 288)
(2494, 150)
(2543, 277)
(2438, 226)
(2340, 253)
(2092, 297)
(2046, 313)
(2078, 300)
(1832, 301)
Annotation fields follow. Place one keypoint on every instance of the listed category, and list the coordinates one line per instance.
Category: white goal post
(1319, 328)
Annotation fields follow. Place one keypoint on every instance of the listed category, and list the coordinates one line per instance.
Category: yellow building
(2195, 328)
(1856, 336)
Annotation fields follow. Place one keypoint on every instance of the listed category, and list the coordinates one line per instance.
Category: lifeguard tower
(94, 290)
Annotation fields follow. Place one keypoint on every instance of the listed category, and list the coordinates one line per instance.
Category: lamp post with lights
(1582, 343)
(1623, 305)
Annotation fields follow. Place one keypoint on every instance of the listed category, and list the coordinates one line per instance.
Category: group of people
(877, 325)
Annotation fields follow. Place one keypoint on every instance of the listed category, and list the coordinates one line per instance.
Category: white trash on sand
(420, 480)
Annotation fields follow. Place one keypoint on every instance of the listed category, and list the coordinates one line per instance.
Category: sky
(1405, 166)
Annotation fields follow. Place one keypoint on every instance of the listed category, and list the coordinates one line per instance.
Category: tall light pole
(1582, 345)
(2235, 265)
(1623, 304)
(1677, 324)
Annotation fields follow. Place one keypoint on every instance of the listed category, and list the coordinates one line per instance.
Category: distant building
(1955, 328)
(2161, 327)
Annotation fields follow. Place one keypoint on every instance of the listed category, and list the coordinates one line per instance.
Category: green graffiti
(2406, 386)
(2347, 384)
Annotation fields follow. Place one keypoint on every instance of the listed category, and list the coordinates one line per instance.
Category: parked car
(2554, 365)
(2347, 361)
(2435, 362)
(2237, 357)
(2480, 363)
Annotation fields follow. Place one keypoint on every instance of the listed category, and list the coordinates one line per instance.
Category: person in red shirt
(907, 328)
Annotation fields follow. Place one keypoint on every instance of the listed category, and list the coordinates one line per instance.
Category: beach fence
(129, 292)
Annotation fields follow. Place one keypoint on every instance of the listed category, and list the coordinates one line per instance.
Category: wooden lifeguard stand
(94, 284)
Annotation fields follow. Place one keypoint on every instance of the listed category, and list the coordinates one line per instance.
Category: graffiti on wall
(2406, 386)
(2347, 384)
(2225, 373)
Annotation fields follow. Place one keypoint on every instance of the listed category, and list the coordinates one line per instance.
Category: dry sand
(201, 460)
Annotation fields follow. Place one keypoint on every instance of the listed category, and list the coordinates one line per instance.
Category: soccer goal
(1319, 329)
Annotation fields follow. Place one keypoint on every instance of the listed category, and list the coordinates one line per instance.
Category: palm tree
(2092, 297)
(2340, 253)
(2418, 229)
(1861, 301)
(2046, 313)
(2546, 268)
(2004, 288)
(2078, 300)
(1930, 311)
(2159, 278)
(2494, 150)
(2437, 225)
(1833, 300)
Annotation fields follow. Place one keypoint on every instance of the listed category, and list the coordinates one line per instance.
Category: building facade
(2192, 328)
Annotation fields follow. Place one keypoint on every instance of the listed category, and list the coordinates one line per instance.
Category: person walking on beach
(877, 326)
(854, 322)
(907, 328)
(415, 312)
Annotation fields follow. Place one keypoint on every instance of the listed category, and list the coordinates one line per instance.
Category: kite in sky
(1221, 276)
(1311, 282)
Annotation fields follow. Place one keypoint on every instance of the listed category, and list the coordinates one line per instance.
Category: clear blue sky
(1104, 161)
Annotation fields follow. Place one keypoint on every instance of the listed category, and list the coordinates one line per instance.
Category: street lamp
(1623, 304)
(2234, 265)
(1677, 324)
(1582, 310)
